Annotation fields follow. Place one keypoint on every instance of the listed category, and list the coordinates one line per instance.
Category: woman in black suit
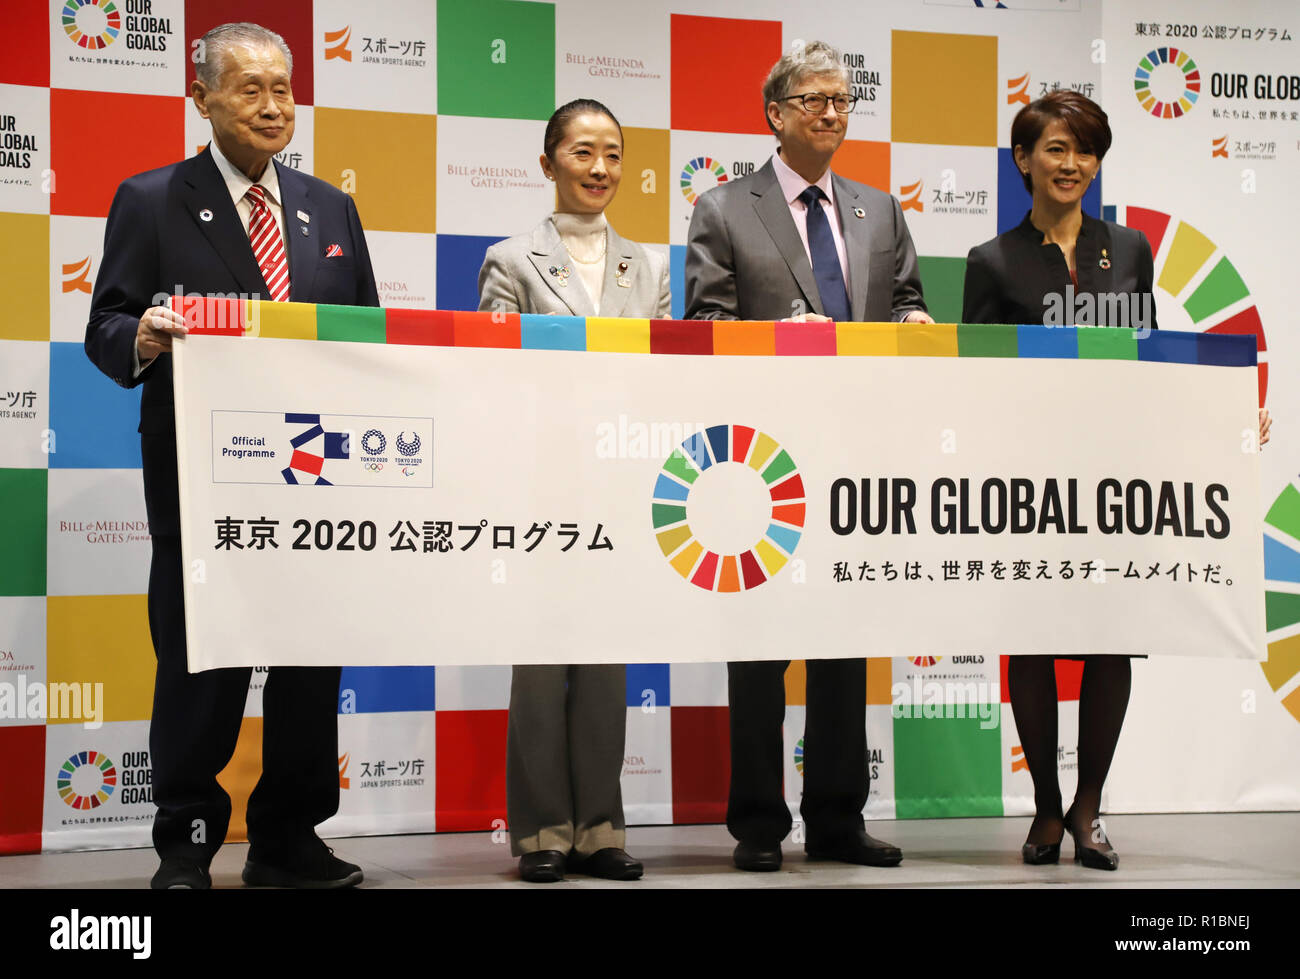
(1037, 273)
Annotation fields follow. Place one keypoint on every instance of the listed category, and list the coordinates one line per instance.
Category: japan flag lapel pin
(205, 214)
(1105, 260)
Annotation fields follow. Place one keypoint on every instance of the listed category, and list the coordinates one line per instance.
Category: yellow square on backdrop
(391, 179)
(240, 776)
(102, 639)
(25, 277)
(640, 209)
(945, 89)
(285, 321)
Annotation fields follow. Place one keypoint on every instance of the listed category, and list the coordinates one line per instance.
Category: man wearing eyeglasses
(796, 242)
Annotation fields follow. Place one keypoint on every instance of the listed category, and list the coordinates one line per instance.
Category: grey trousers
(564, 757)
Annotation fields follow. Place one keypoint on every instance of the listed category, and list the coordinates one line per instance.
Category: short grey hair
(216, 43)
(813, 58)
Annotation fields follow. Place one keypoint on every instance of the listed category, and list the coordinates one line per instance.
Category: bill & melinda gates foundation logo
(93, 24)
(728, 508)
(1167, 83)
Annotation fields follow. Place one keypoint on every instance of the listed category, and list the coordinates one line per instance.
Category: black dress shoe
(859, 847)
(309, 864)
(610, 863)
(542, 866)
(1095, 858)
(1040, 853)
(759, 859)
(180, 873)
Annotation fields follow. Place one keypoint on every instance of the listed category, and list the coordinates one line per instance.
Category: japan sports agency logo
(92, 24)
(710, 173)
(1171, 69)
(728, 485)
(336, 44)
(86, 780)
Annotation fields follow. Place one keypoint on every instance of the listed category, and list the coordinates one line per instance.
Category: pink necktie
(268, 248)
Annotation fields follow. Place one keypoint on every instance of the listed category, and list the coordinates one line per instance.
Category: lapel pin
(205, 215)
(859, 213)
(561, 273)
(303, 229)
(619, 276)
(1105, 260)
(304, 217)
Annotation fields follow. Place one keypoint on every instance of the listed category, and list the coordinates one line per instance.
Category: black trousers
(836, 778)
(196, 720)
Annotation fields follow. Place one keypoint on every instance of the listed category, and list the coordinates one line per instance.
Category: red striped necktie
(268, 247)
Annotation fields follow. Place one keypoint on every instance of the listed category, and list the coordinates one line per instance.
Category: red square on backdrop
(93, 146)
(718, 68)
(1069, 674)
(471, 769)
(22, 61)
(291, 19)
(701, 764)
(423, 327)
(482, 329)
(22, 763)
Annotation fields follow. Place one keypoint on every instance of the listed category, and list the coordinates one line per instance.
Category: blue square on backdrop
(677, 279)
(386, 689)
(646, 680)
(95, 422)
(459, 259)
(1014, 201)
(1048, 341)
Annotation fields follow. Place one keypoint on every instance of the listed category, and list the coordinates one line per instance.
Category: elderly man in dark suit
(794, 241)
(231, 221)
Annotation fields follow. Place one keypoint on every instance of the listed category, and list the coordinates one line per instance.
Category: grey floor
(1256, 850)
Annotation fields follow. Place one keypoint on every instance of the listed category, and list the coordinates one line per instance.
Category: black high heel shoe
(1092, 857)
(1038, 854)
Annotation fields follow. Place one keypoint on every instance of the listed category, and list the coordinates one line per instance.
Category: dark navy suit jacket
(156, 244)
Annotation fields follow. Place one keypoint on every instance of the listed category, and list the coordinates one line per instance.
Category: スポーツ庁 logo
(728, 508)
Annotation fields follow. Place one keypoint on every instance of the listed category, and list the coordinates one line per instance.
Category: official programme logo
(718, 493)
(93, 24)
(336, 44)
(1167, 83)
(701, 174)
(86, 780)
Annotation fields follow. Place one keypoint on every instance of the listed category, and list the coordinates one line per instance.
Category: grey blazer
(744, 258)
(516, 278)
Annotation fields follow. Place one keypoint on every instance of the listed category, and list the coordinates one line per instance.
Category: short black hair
(1081, 115)
(562, 116)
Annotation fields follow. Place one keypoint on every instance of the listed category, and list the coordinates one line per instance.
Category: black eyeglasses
(815, 102)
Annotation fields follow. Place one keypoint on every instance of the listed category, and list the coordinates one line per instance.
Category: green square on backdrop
(496, 58)
(359, 324)
(942, 281)
(988, 340)
(1107, 343)
(947, 766)
(22, 531)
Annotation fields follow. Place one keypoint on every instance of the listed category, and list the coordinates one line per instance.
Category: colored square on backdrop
(84, 182)
(737, 337)
(718, 68)
(866, 161)
(103, 639)
(1014, 201)
(701, 764)
(94, 421)
(476, 329)
(677, 279)
(947, 766)
(22, 528)
(291, 19)
(1069, 677)
(25, 61)
(471, 769)
(927, 340)
(681, 337)
(1048, 341)
(880, 680)
(1222, 350)
(459, 259)
(538, 332)
(390, 178)
(386, 689)
(283, 321)
(945, 89)
(1167, 347)
(496, 58)
(639, 211)
(647, 685)
(942, 282)
(240, 776)
(22, 787)
(25, 277)
(426, 327)
(358, 324)
(866, 339)
(987, 340)
(1106, 343)
(616, 335)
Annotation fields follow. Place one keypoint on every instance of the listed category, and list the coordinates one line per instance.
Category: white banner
(417, 505)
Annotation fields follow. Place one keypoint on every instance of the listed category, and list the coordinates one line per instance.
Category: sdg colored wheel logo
(1179, 71)
(728, 508)
(711, 174)
(86, 780)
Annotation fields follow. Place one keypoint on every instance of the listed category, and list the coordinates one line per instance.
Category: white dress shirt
(792, 185)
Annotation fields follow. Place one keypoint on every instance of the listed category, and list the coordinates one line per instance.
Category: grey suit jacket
(516, 278)
(744, 258)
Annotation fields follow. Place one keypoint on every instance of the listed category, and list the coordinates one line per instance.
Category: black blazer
(1014, 278)
(157, 244)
